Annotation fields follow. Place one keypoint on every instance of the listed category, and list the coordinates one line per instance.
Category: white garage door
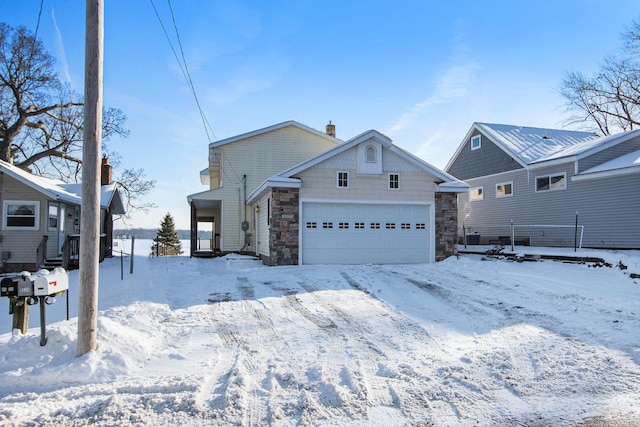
(350, 233)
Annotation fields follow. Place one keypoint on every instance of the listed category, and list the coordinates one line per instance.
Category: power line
(185, 72)
(183, 67)
(205, 122)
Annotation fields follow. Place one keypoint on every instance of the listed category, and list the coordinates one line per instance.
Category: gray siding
(22, 243)
(608, 208)
(487, 160)
(609, 154)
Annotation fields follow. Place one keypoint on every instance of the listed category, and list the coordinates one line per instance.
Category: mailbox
(25, 286)
(49, 283)
(8, 287)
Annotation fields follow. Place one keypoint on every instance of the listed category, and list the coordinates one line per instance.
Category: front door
(62, 232)
(55, 224)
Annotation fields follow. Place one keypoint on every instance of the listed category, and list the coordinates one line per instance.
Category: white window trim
(338, 180)
(476, 142)
(564, 180)
(389, 181)
(473, 199)
(500, 196)
(36, 203)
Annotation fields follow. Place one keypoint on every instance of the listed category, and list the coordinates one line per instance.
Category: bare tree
(42, 119)
(608, 101)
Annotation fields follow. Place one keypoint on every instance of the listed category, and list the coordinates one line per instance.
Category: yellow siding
(258, 158)
(320, 181)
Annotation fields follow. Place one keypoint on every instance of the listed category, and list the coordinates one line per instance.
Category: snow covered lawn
(228, 341)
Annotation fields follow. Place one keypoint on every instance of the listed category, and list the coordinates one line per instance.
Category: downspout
(245, 225)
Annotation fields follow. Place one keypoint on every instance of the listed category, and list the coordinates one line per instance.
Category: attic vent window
(476, 142)
(370, 154)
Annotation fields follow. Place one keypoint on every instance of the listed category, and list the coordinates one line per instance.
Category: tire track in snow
(241, 394)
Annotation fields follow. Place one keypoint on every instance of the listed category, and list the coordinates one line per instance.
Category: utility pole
(90, 208)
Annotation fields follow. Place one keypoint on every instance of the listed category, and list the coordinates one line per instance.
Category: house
(361, 201)
(238, 165)
(41, 219)
(546, 181)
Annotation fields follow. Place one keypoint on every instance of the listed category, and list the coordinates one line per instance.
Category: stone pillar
(446, 225)
(285, 226)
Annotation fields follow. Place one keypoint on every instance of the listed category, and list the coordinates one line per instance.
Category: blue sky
(420, 72)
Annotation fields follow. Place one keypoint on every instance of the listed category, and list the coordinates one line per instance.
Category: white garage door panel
(341, 233)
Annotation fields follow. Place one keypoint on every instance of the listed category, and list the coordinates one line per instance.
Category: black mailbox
(8, 287)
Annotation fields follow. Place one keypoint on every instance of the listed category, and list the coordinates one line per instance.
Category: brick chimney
(331, 129)
(105, 173)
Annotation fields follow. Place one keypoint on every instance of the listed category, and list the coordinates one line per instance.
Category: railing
(552, 235)
(41, 252)
(71, 251)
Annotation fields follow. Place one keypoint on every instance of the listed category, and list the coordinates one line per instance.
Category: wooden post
(90, 208)
(20, 310)
(133, 244)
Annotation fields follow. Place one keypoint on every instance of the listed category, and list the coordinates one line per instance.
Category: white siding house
(364, 201)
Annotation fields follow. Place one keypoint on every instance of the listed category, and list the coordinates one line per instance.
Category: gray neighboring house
(41, 219)
(541, 178)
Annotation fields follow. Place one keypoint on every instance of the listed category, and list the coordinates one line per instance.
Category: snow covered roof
(61, 191)
(625, 164)
(533, 145)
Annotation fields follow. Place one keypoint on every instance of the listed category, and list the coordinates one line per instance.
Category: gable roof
(271, 129)
(530, 145)
(55, 189)
(285, 179)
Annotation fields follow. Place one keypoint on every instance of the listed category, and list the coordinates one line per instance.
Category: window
(390, 226)
(312, 225)
(476, 142)
(21, 215)
(370, 154)
(343, 225)
(394, 181)
(551, 182)
(327, 225)
(374, 225)
(504, 190)
(405, 226)
(476, 193)
(52, 223)
(359, 225)
(421, 226)
(343, 179)
(76, 218)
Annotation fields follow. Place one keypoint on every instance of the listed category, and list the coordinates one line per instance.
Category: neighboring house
(361, 201)
(237, 166)
(543, 179)
(41, 219)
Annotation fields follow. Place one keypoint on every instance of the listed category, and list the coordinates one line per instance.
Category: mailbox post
(30, 289)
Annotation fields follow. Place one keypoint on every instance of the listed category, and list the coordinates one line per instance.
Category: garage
(366, 233)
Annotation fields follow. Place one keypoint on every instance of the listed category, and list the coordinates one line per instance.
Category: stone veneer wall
(446, 225)
(285, 226)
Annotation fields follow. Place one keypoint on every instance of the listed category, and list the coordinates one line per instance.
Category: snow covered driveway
(231, 342)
